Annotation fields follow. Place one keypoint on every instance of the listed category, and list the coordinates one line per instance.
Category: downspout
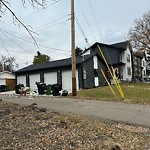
(132, 62)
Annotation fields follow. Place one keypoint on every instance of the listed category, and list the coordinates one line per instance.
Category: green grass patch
(138, 93)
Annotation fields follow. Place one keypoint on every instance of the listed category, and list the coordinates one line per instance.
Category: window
(139, 62)
(116, 72)
(128, 58)
(144, 73)
(135, 61)
(143, 63)
(96, 72)
(121, 58)
(129, 70)
(84, 74)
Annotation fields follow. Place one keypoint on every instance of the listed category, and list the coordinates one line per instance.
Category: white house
(7, 78)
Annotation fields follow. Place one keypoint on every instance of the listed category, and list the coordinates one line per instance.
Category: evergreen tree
(40, 58)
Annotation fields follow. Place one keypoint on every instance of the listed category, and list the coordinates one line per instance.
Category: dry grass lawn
(138, 93)
(28, 127)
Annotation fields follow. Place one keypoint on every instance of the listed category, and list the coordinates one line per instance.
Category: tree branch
(20, 22)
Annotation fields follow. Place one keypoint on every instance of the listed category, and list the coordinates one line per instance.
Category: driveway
(108, 111)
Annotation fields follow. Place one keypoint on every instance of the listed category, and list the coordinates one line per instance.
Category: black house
(88, 74)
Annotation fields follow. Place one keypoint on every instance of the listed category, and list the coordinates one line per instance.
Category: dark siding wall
(100, 76)
(42, 77)
(80, 76)
(111, 54)
(88, 67)
(59, 77)
(27, 81)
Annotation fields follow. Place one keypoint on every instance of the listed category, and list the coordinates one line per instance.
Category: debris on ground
(29, 127)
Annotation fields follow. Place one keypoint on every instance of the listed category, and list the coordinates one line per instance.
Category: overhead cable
(16, 43)
(5, 47)
(86, 20)
(82, 32)
(99, 31)
(43, 28)
(52, 22)
(34, 12)
(62, 50)
(95, 18)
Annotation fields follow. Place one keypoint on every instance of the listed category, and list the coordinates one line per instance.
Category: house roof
(118, 46)
(121, 45)
(54, 64)
(108, 49)
(111, 52)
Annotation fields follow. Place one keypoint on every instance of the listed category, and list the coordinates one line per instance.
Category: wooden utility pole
(73, 50)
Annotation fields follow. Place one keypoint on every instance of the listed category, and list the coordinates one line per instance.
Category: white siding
(144, 67)
(67, 80)
(126, 75)
(33, 79)
(96, 81)
(7, 75)
(86, 53)
(50, 78)
(21, 80)
(2, 81)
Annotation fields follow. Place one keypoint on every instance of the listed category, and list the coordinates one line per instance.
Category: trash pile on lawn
(29, 127)
(55, 89)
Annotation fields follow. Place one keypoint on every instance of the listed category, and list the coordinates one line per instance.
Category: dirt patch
(36, 128)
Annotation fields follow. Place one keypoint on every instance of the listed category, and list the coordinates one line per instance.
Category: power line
(82, 32)
(62, 50)
(53, 25)
(95, 18)
(56, 20)
(86, 20)
(99, 31)
(18, 20)
(4, 46)
(56, 1)
(34, 12)
(24, 48)
(17, 43)
(6, 51)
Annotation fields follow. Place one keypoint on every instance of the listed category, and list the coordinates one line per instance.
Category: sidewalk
(109, 111)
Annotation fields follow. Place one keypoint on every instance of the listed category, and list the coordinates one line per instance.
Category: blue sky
(105, 21)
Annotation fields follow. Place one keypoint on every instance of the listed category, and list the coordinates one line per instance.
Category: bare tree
(6, 63)
(5, 6)
(139, 34)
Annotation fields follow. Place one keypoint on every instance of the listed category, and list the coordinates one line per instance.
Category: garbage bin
(56, 88)
(18, 87)
(48, 89)
(3, 88)
(41, 88)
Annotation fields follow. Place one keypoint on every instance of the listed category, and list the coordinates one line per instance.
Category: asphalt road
(107, 111)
